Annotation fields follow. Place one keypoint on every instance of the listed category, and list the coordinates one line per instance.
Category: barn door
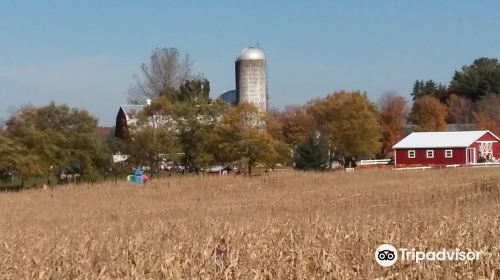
(471, 156)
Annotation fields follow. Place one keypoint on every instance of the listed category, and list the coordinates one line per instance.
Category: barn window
(448, 153)
(411, 154)
(430, 153)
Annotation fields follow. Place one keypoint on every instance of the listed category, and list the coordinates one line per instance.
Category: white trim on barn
(486, 148)
(429, 153)
(411, 153)
(448, 153)
(469, 152)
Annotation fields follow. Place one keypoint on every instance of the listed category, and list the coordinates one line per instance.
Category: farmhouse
(447, 148)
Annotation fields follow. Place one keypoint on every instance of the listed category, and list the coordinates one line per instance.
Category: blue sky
(85, 53)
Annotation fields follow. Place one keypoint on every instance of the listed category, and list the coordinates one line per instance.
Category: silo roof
(251, 53)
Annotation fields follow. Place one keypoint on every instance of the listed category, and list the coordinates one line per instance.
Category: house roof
(131, 110)
(442, 139)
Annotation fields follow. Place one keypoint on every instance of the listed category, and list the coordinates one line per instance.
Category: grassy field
(286, 225)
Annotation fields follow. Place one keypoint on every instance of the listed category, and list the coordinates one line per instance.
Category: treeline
(341, 126)
(183, 125)
(472, 98)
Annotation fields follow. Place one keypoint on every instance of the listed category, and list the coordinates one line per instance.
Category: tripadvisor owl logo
(386, 255)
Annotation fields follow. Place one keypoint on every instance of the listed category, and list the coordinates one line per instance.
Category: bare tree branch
(167, 70)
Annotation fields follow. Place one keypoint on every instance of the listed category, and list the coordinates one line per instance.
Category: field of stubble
(287, 225)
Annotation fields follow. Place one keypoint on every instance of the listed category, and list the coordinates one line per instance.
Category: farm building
(447, 148)
(126, 116)
(219, 170)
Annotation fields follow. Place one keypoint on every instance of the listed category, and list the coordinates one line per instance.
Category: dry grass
(283, 226)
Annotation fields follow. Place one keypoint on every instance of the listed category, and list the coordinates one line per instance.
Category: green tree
(196, 123)
(428, 114)
(196, 116)
(154, 135)
(7, 156)
(311, 154)
(348, 121)
(56, 136)
(478, 79)
(179, 123)
(191, 91)
(430, 87)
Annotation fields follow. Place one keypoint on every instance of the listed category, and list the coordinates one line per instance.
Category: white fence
(375, 162)
(412, 168)
(485, 164)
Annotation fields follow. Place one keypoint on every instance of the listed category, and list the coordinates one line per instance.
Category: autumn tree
(290, 125)
(167, 70)
(487, 113)
(428, 114)
(241, 137)
(459, 109)
(349, 123)
(478, 79)
(393, 114)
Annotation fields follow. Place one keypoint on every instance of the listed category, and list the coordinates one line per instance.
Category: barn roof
(442, 139)
(131, 110)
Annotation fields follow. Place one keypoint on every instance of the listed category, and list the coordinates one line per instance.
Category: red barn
(447, 148)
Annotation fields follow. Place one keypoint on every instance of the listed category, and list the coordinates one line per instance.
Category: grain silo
(251, 84)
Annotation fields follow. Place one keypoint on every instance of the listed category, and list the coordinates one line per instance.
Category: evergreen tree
(311, 154)
(479, 79)
(430, 87)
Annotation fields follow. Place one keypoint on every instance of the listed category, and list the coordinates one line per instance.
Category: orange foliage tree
(393, 114)
(428, 114)
(459, 109)
(292, 125)
(487, 113)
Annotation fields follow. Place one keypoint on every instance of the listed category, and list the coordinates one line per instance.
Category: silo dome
(251, 53)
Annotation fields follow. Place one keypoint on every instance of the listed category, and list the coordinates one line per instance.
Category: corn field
(286, 225)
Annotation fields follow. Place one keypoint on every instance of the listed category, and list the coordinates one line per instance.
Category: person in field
(221, 250)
